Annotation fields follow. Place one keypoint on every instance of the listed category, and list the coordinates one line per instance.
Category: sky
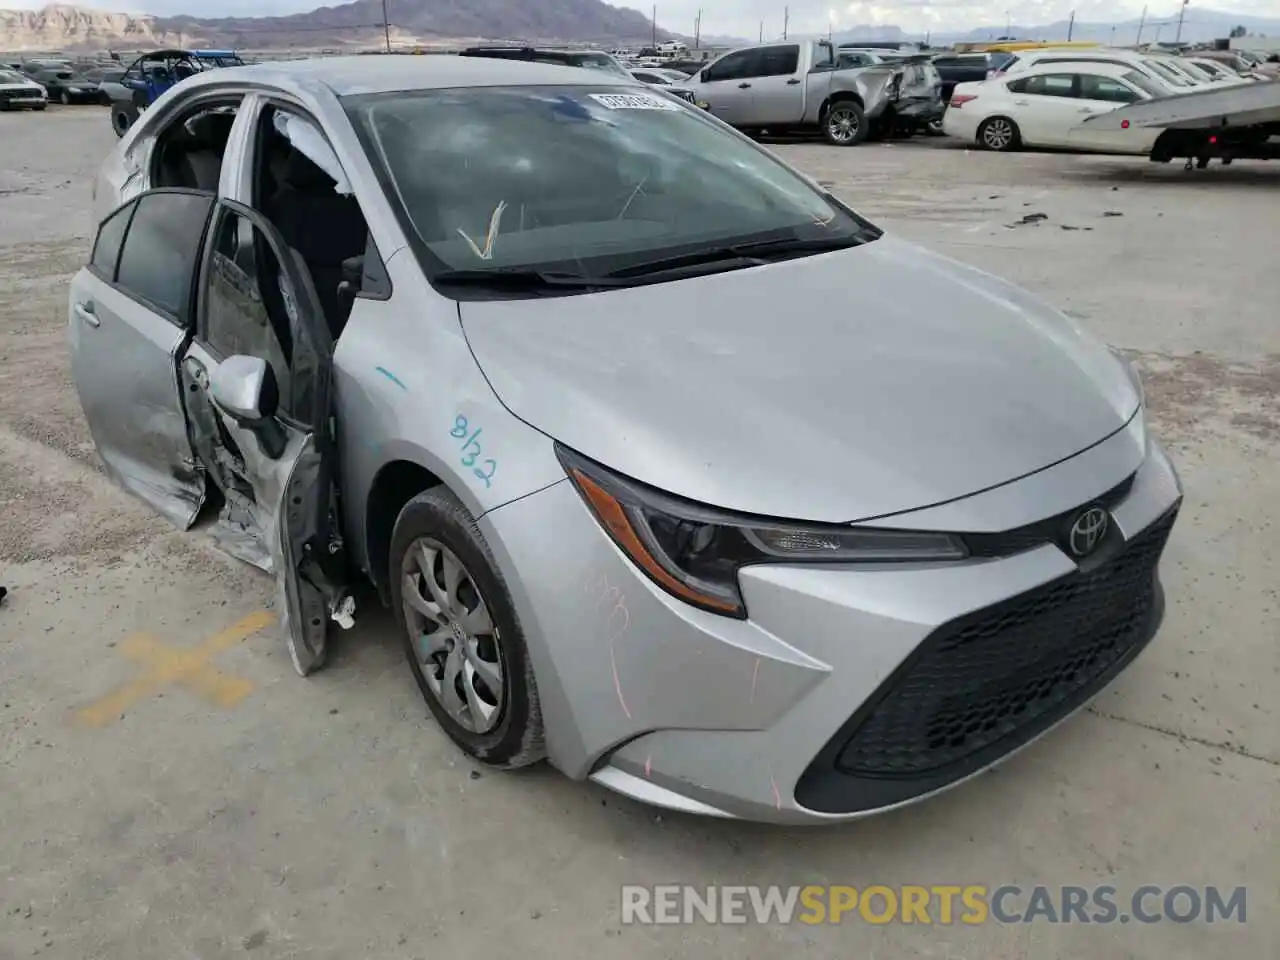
(742, 18)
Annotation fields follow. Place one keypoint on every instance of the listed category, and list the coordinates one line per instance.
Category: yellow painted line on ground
(188, 666)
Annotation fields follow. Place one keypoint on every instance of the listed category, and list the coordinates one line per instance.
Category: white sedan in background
(1045, 107)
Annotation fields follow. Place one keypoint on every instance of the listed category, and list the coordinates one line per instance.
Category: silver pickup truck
(800, 85)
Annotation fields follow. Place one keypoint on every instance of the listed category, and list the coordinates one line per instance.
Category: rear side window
(162, 248)
(779, 61)
(106, 248)
(1050, 85)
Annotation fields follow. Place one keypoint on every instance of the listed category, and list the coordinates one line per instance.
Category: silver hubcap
(998, 134)
(457, 645)
(843, 124)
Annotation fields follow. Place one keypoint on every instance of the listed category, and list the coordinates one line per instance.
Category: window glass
(1093, 87)
(733, 66)
(162, 248)
(1145, 83)
(247, 302)
(1050, 85)
(579, 177)
(106, 248)
(778, 61)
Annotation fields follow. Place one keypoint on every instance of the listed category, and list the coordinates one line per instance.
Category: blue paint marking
(392, 377)
(459, 431)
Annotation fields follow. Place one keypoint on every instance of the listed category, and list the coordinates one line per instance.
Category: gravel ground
(331, 819)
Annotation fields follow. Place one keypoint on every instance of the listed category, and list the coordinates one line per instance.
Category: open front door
(257, 378)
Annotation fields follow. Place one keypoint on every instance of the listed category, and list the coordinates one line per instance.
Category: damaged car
(809, 86)
(425, 323)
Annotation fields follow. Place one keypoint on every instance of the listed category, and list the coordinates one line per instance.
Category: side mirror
(245, 389)
(702, 76)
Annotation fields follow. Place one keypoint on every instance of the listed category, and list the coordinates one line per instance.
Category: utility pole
(654, 41)
(1113, 35)
(1141, 23)
(1008, 24)
(1071, 25)
(1182, 12)
(786, 21)
(697, 30)
(762, 31)
(386, 26)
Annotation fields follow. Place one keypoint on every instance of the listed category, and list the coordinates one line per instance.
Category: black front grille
(1050, 530)
(988, 676)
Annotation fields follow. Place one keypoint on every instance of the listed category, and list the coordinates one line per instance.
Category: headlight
(694, 552)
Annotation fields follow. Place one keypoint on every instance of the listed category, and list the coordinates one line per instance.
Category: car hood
(834, 388)
(22, 85)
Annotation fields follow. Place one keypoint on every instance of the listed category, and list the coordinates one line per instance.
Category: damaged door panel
(257, 381)
(129, 319)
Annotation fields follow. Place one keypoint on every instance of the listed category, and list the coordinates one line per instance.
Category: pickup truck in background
(799, 86)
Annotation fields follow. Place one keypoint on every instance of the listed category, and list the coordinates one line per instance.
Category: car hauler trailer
(1225, 123)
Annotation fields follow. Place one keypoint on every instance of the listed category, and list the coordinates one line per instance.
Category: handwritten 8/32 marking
(616, 625)
(459, 432)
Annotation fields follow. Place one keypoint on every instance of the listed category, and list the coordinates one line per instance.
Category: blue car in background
(152, 74)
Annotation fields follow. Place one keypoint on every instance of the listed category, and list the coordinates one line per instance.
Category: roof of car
(1076, 66)
(384, 73)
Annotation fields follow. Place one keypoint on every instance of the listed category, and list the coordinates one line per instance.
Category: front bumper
(850, 690)
(21, 101)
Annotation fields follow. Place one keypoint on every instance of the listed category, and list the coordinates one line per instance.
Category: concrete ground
(169, 788)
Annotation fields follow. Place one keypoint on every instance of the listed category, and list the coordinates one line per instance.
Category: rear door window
(106, 248)
(778, 61)
(161, 249)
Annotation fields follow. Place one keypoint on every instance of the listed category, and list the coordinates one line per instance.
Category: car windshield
(1167, 73)
(588, 179)
(1144, 83)
(8, 76)
(598, 61)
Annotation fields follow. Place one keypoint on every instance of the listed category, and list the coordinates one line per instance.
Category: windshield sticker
(633, 101)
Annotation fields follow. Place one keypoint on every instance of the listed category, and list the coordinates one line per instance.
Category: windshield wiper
(737, 256)
(523, 279)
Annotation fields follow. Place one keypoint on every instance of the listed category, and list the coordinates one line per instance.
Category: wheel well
(837, 98)
(396, 484)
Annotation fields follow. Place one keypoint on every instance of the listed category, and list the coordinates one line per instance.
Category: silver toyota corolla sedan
(675, 470)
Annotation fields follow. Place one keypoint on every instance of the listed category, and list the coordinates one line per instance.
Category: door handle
(1020, 103)
(85, 312)
(743, 86)
(1087, 110)
(793, 81)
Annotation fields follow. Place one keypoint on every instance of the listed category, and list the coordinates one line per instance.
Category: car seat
(325, 227)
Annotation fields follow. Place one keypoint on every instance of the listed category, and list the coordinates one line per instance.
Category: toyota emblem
(1087, 531)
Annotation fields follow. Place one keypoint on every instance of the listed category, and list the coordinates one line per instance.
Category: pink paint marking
(755, 676)
(621, 605)
(777, 797)
(648, 767)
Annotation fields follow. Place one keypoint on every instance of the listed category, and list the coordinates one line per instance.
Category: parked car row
(61, 80)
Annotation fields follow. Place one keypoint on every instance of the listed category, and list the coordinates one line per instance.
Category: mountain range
(1200, 25)
(359, 25)
(350, 25)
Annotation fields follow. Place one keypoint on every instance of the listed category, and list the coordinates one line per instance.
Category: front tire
(845, 125)
(64, 98)
(123, 113)
(461, 634)
(999, 133)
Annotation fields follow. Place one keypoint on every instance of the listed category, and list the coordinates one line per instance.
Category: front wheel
(461, 635)
(64, 98)
(845, 124)
(999, 133)
(123, 113)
